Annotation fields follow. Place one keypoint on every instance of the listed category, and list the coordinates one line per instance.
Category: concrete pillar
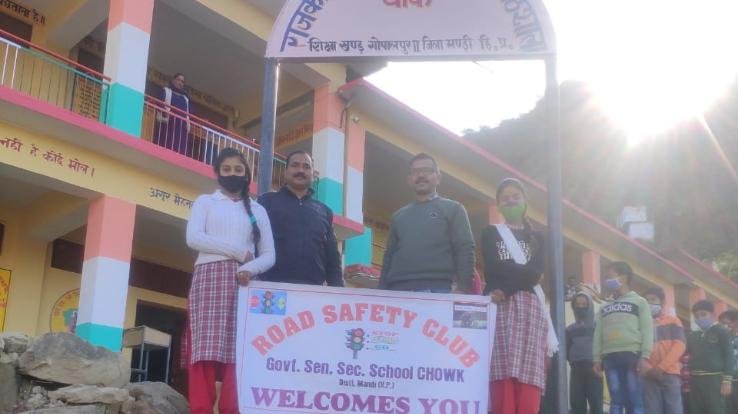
(105, 270)
(126, 62)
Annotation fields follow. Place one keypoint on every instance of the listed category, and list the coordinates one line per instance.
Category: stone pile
(59, 373)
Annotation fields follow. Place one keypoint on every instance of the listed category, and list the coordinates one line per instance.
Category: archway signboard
(411, 29)
(345, 31)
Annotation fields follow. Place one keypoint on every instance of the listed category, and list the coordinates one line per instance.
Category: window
(15, 27)
(66, 255)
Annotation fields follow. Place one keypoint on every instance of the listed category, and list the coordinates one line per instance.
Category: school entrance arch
(345, 31)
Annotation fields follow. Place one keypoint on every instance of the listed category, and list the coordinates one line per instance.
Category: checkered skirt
(520, 341)
(211, 311)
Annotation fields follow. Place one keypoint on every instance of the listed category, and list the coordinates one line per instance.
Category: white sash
(513, 247)
(163, 116)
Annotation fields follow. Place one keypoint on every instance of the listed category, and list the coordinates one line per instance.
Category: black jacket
(501, 271)
(306, 246)
(580, 334)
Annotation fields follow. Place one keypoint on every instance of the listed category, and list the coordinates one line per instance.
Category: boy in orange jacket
(662, 384)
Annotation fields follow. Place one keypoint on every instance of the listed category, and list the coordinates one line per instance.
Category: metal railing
(197, 138)
(47, 76)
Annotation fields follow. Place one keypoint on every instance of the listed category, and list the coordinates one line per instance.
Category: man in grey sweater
(430, 240)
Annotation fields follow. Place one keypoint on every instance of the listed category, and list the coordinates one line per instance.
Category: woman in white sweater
(233, 236)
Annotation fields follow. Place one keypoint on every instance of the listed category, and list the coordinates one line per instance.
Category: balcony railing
(197, 138)
(47, 76)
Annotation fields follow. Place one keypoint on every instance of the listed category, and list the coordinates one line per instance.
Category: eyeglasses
(423, 171)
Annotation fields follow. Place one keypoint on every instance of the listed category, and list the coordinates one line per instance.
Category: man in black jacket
(306, 246)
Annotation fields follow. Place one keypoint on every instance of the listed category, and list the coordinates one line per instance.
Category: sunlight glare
(651, 64)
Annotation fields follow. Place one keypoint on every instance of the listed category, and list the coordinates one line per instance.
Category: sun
(650, 64)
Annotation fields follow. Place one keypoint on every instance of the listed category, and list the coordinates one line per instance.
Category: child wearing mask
(623, 341)
(663, 385)
(711, 362)
(585, 387)
(730, 320)
(233, 237)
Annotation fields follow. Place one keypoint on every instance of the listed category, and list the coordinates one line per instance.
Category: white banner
(411, 29)
(313, 349)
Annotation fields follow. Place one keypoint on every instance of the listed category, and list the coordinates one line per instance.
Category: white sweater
(219, 228)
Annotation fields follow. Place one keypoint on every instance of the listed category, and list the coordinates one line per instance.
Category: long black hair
(234, 153)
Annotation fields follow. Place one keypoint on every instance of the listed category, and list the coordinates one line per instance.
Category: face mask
(655, 310)
(580, 313)
(232, 183)
(513, 212)
(613, 284)
(704, 323)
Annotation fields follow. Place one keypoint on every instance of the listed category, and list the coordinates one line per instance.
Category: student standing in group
(233, 237)
(730, 320)
(307, 250)
(711, 362)
(584, 387)
(623, 341)
(513, 265)
(429, 240)
(662, 383)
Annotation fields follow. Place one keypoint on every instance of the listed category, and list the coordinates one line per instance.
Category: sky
(650, 63)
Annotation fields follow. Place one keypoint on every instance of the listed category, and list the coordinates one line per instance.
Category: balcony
(46, 76)
(41, 74)
(198, 138)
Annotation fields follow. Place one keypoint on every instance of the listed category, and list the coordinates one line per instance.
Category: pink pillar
(696, 294)
(591, 268)
(105, 270)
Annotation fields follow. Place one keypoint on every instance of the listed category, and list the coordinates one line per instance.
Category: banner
(314, 349)
(330, 30)
(4, 293)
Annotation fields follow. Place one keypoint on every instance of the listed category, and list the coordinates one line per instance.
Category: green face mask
(513, 213)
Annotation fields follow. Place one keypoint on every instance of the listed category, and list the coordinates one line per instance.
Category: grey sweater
(429, 243)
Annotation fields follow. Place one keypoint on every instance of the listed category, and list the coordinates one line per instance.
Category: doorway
(171, 321)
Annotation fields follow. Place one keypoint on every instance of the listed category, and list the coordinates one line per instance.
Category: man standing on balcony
(430, 240)
(306, 246)
(172, 121)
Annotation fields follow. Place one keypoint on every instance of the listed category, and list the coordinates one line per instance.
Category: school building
(93, 213)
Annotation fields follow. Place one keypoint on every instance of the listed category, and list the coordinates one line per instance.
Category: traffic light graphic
(355, 340)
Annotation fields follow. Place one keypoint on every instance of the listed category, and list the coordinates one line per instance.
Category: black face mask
(580, 313)
(233, 183)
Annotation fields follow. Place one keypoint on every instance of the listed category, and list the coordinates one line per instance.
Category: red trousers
(201, 390)
(513, 397)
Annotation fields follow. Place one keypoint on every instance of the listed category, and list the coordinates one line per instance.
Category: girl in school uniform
(233, 236)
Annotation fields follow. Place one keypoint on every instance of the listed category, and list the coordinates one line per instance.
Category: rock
(78, 409)
(36, 401)
(127, 406)
(142, 407)
(159, 397)
(14, 342)
(8, 387)
(90, 394)
(67, 359)
(11, 359)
